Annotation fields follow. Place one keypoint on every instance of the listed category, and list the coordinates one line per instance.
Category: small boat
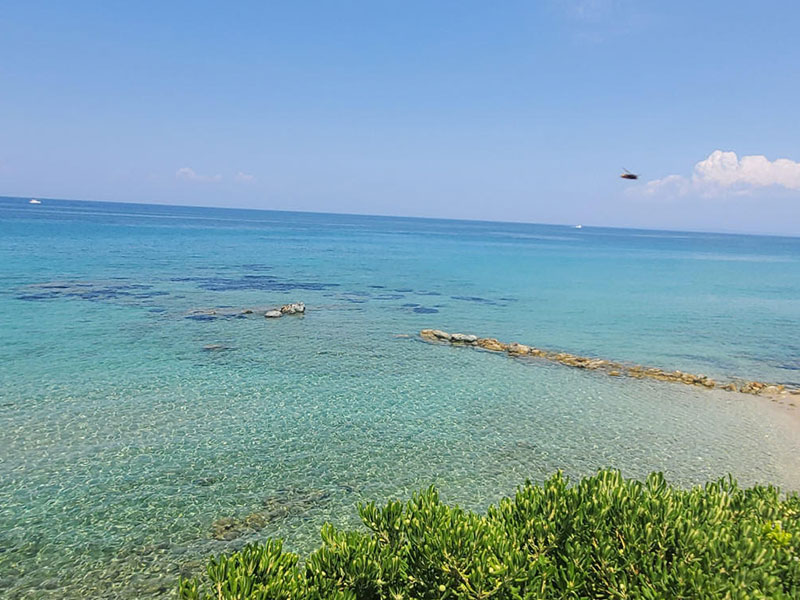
(34, 201)
(578, 226)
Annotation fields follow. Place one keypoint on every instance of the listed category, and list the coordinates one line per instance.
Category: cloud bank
(726, 172)
(188, 174)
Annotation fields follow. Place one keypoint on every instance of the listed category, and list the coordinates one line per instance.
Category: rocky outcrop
(295, 308)
(611, 368)
(212, 314)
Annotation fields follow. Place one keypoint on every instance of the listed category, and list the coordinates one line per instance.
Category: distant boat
(34, 201)
(578, 226)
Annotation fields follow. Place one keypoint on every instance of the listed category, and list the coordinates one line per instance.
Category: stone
(729, 387)
(256, 521)
(772, 389)
(596, 364)
(273, 314)
(518, 349)
(491, 344)
(295, 308)
(463, 338)
(614, 373)
(226, 529)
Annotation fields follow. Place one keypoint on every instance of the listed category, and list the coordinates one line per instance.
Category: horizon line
(458, 219)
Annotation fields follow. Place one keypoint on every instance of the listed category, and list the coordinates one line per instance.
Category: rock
(707, 382)
(256, 521)
(614, 373)
(226, 529)
(295, 308)
(441, 335)
(491, 344)
(273, 314)
(435, 334)
(247, 311)
(596, 364)
(518, 349)
(772, 389)
(729, 387)
(215, 348)
(463, 338)
(752, 387)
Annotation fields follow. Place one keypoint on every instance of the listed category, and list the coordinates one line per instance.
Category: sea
(145, 415)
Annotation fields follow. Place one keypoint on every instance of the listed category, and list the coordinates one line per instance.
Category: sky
(507, 111)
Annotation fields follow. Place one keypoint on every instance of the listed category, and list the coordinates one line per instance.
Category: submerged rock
(284, 503)
(216, 348)
(226, 529)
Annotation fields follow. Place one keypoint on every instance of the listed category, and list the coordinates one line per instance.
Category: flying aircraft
(628, 175)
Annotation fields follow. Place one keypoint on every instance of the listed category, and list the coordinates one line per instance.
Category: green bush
(604, 537)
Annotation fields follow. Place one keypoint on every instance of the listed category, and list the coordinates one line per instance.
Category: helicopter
(628, 175)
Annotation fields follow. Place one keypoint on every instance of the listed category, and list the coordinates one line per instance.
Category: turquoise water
(123, 439)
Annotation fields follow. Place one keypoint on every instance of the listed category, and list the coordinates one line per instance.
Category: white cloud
(188, 174)
(244, 177)
(726, 172)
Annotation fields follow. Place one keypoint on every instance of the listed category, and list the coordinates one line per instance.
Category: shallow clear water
(123, 440)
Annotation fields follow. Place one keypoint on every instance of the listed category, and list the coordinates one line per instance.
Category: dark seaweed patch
(95, 292)
(404, 290)
(256, 267)
(479, 300)
(255, 282)
(411, 305)
(377, 287)
(425, 310)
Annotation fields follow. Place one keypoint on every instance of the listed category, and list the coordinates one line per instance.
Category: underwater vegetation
(603, 537)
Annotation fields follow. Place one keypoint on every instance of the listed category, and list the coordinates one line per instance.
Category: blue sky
(513, 111)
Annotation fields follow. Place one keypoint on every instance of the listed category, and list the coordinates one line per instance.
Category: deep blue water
(124, 438)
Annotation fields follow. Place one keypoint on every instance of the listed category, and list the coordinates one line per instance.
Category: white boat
(578, 226)
(34, 201)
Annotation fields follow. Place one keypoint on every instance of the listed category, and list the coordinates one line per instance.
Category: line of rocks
(209, 314)
(611, 368)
